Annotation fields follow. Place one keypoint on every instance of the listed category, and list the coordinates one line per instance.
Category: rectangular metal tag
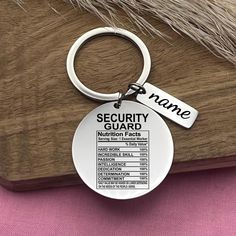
(168, 106)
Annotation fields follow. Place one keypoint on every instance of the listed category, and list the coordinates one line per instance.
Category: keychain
(124, 149)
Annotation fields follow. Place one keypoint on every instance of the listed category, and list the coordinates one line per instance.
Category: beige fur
(209, 22)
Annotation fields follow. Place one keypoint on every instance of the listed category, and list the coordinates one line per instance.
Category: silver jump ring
(119, 100)
(137, 88)
(106, 31)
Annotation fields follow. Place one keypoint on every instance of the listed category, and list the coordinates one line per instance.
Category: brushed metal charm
(122, 153)
(168, 106)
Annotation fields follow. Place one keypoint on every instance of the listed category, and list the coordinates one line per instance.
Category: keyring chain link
(136, 87)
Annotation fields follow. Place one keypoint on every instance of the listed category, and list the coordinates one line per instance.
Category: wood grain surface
(40, 109)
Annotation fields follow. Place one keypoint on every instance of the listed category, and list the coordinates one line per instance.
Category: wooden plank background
(40, 109)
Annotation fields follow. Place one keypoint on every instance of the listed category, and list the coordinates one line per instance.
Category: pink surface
(200, 203)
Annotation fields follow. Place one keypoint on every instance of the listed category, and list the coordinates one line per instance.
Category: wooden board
(40, 109)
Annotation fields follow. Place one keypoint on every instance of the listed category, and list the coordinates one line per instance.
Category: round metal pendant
(122, 153)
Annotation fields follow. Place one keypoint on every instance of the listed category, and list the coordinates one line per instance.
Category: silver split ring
(106, 31)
